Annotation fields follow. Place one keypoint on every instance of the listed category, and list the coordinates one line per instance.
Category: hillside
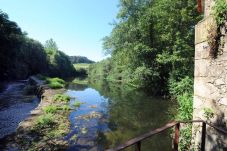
(80, 59)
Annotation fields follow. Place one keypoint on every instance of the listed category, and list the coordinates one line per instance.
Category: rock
(223, 101)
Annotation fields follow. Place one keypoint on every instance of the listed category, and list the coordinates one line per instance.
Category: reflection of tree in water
(132, 113)
(77, 87)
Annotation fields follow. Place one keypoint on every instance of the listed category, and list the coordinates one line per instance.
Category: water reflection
(121, 114)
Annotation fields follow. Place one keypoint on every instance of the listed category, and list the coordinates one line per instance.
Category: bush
(183, 92)
(61, 98)
(185, 85)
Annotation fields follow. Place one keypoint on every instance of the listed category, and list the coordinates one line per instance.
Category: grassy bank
(48, 123)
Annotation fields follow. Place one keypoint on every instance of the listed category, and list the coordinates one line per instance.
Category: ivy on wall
(217, 33)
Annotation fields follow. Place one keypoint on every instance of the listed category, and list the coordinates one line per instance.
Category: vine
(217, 33)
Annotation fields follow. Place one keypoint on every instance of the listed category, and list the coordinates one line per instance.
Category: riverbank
(48, 123)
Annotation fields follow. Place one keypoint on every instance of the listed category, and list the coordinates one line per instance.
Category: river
(112, 114)
(109, 115)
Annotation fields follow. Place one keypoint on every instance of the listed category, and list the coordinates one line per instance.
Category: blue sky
(76, 25)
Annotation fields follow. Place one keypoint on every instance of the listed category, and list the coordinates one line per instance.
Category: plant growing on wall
(216, 33)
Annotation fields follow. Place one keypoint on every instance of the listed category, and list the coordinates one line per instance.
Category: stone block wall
(210, 87)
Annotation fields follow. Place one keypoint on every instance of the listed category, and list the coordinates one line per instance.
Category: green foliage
(185, 85)
(216, 32)
(182, 90)
(61, 98)
(185, 109)
(65, 108)
(152, 42)
(21, 56)
(55, 83)
(46, 120)
(80, 59)
(59, 63)
(81, 69)
(185, 139)
(220, 12)
(208, 113)
(50, 109)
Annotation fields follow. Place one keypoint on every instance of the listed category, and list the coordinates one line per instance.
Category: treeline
(21, 56)
(151, 44)
(80, 59)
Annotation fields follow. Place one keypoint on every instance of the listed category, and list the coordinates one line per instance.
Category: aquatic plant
(77, 104)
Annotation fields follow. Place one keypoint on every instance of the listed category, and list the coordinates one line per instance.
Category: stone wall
(210, 87)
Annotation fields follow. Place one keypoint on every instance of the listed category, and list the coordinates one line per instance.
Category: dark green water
(120, 113)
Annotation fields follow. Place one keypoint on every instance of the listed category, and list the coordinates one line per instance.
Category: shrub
(183, 92)
(61, 98)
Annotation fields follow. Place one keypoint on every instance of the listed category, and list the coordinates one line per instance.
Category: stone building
(210, 83)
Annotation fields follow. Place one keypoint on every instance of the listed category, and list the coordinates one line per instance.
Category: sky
(77, 26)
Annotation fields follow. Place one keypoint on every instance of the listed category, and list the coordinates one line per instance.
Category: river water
(111, 114)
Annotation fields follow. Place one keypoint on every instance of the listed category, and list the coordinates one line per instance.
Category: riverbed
(14, 107)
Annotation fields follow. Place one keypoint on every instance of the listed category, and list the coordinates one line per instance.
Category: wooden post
(203, 137)
(200, 7)
(177, 135)
(138, 146)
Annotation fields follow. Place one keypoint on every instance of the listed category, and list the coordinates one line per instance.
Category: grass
(81, 66)
(55, 83)
(65, 108)
(46, 120)
(61, 98)
(50, 109)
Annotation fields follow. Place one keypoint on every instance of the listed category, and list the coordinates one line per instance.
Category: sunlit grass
(55, 83)
(81, 66)
(61, 98)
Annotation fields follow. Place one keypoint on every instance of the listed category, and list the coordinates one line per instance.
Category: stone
(201, 29)
(223, 101)
(219, 82)
(201, 68)
(202, 51)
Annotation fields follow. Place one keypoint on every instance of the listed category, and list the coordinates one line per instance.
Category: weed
(50, 109)
(61, 98)
(55, 83)
(46, 120)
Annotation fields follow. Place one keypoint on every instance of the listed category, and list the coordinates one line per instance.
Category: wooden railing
(137, 141)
